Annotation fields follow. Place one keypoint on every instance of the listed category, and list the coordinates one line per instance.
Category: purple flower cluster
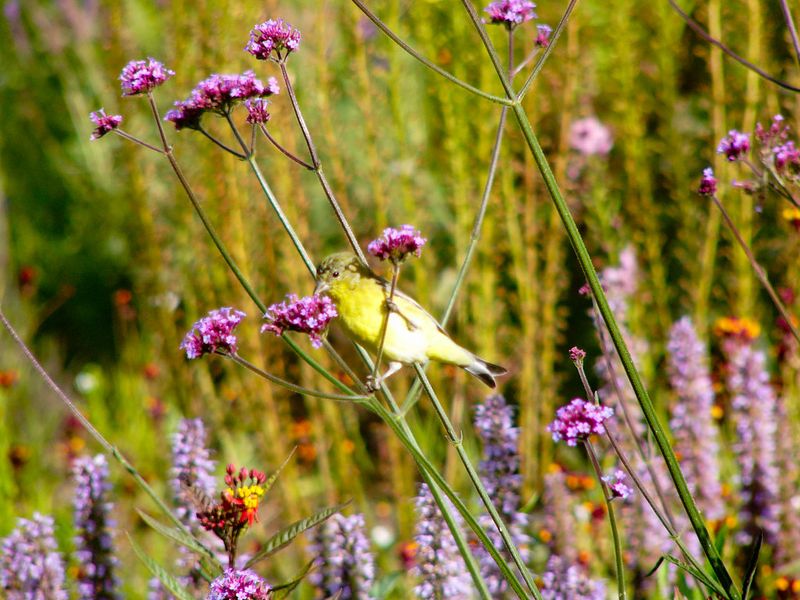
(559, 515)
(789, 469)
(562, 580)
(217, 94)
(577, 355)
(345, 565)
(617, 486)
(310, 315)
(236, 584)
(692, 424)
(103, 123)
(143, 76)
(543, 33)
(590, 137)
(708, 183)
(735, 145)
(510, 12)
(439, 565)
(397, 244)
(754, 404)
(213, 333)
(191, 463)
(30, 565)
(273, 40)
(94, 547)
(578, 420)
(257, 111)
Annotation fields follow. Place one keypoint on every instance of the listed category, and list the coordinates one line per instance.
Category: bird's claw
(373, 384)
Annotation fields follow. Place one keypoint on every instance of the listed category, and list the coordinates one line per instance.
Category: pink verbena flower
(577, 355)
(708, 184)
(397, 244)
(578, 420)
(510, 12)
(213, 333)
(218, 94)
(543, 33)
(786, 154)
(734, 146)
(257, 111)
(273, 40)
(104, 123)
(309, 315)
(590, 137)
(143, 76)
(234, 584)
(616, 484)
(777, 132)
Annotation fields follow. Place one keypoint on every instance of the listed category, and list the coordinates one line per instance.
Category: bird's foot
(373, 383)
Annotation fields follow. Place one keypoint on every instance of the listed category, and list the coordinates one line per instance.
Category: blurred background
(105, 266)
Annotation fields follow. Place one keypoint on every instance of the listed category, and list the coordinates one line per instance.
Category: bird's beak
(321, 288)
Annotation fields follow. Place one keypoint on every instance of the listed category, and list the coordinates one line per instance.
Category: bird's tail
(485, 371)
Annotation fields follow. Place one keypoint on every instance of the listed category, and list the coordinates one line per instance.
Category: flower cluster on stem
(310, 315)
(143, 76)
(510, 12)
(30, 564)
(396, 245)
(213, 333)
(235, 584)
(578, 420)
(103, 123)
(273, 40)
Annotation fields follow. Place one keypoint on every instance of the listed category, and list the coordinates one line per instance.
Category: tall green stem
(385, 323)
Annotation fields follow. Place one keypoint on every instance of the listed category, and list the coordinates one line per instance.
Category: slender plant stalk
(757, 268)
(385, 324)
(283, 150)
(612, 521)
(585, 261)
(787, 14)
(457, 441)
(222, 145)
(107, 446)
(135, 140)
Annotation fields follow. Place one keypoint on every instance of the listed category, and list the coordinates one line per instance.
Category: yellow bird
(412, 335)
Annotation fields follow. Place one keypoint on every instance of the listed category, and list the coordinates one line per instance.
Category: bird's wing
(387, 286)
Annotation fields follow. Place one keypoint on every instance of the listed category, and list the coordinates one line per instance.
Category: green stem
(222, 145)
(283, 150)
(612, 521)
(135, 140)
(385, 324)
(477, 483)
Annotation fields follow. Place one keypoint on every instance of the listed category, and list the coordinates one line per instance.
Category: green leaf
(698, 575)
(752, 565)
(384, 586)
(286, 535)
(169, 582)
(722, 537)
(268, 484)
(288, 587)
(183, 538)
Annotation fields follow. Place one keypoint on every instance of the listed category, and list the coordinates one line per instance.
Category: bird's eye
(335, 274)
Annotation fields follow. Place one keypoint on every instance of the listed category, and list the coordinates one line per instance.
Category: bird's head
(338, 273)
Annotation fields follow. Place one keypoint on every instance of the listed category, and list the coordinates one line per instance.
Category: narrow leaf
(697, 574)
(286, 535)
(721, 538)
(181, 537)
(169, 582)
(752, 565)
(287, 588)
(269, 483)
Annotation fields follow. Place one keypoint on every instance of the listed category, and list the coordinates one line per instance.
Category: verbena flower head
(94, 547)
(617, 486)
(191, 464)
(577, 355)
(543, 33)
(397, 244)
(143, 76)
(590, 137)
(735, 145)
(310, 315)
(235, 584)
(578, 420)
(273, 40)
(777, 133)
(786, 155)
(438, 564)
(345, 565)
(213, 333)
(708, 183)
(562, 580)
(237, 507)
(257, 111)
(510, 12)
(30, 565)
(218, 94)
(103, 123)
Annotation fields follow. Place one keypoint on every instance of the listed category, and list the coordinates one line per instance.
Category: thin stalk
(585, 261)
(107, 446)
(435, 68)
(351, 238)
(291, 386)
(759, 270)
(612, 521)
(283, 150)
(385, 324)
(457, 441)
(225, 147)
(136, 140)
(787, 14)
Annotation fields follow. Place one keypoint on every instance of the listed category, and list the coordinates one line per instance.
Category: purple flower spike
(578, 420)
(95, 551)
(345, 565)
(310, 315)
(543, 33)
(563, 580)
(143, 76)
(273, 40)
(104, 123)
(510, 12)
(397, 244)
(708, 184)
(234, 584)
(30, 565)
(257, 111)
(734, 146)
(616, 484)
(213, 333)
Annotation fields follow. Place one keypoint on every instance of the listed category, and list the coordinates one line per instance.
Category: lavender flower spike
(397, 244)
(30, 565)
(439, 564)
(578, 420)
(310, 315)
(213, 333)
(191, 463)
(345, 565)
(93, 523)
(510, 12)
(562, 580)
(103, 123)
(143, 76)
(696, 435)
(234, 584)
